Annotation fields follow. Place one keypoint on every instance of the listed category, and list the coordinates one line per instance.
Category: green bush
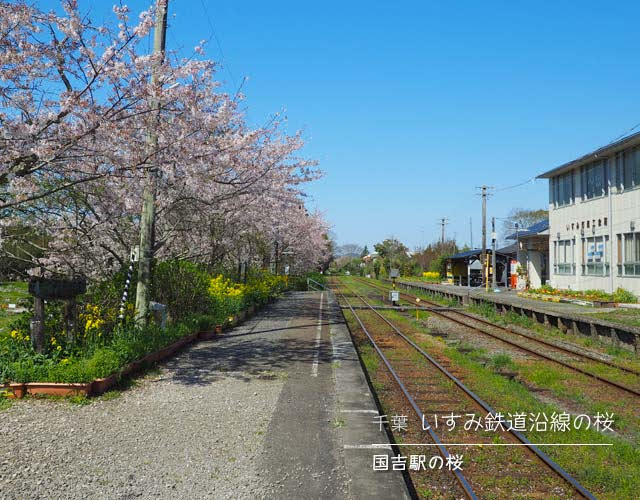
(299, 283)
(624, 296)
(195, 301)
(183, 287)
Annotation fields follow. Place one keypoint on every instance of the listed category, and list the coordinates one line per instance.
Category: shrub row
(195, 301)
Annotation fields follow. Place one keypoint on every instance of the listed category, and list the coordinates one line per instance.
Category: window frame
(595, 268)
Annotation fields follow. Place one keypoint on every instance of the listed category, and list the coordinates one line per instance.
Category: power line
(215, 36)
(625, 133)
(528, 181)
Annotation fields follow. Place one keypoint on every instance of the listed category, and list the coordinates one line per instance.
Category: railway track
(481, 326)
(422, 387)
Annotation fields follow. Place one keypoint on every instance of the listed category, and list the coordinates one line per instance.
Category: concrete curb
(356, 407)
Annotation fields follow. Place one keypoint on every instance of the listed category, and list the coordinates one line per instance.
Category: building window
(563, 262)
(594, 180)
(629, 254)
(595, 257)
(628, 169)
(562, 189)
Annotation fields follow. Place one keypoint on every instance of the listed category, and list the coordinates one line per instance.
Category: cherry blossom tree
(76, 107)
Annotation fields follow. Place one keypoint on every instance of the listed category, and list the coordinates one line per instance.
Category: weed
(79, 399)
(109, 395)
(369, 359)
(338, 422)
(501, 362)
(5, 402)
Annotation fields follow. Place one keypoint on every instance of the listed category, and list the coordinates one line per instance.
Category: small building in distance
(594, 219)
(465, 268)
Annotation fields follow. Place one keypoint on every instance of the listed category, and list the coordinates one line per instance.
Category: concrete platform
(566, 317)
(319, 440)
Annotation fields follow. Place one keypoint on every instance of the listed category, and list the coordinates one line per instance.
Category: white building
(594, 219)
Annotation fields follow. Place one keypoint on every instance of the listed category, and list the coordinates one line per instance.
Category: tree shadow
(247, 352)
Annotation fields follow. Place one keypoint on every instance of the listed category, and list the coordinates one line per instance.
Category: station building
(594, 219)
(532, 255)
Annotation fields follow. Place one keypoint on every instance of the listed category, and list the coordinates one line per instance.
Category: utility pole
(484, 233)
(494, 283)
(443, 223)
(485, 264)
(147, 217)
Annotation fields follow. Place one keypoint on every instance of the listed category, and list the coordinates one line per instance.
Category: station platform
(567, 317)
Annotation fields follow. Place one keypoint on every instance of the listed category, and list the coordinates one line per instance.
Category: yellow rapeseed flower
(59, 348)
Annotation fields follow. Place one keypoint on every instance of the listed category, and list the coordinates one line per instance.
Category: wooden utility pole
(147, 217)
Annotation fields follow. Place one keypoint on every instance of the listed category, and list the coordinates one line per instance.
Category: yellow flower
(14, 333)
(59, 348)
(53, 341)
(64, 361)
(27, 338)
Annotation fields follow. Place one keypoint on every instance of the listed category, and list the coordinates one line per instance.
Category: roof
(535, 229)
(464, 255)
(508, 250)
(602, 152)
(477, 251)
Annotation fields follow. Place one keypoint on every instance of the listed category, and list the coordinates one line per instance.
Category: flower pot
(218, 329)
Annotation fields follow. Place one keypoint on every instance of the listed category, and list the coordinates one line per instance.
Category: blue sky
(408, 106)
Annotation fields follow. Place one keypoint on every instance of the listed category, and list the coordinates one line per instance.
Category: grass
(10, 293)
(5, 402)
(628, 317)
(110, 395)
(370, 359)
(488, 311)
(13, 291)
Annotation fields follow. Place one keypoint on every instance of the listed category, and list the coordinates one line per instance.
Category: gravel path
(159, 440)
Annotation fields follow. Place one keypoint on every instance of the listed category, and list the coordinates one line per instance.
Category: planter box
(58, 389)
(16, 390)
(207, 335)
(102, 385)
(604, 303)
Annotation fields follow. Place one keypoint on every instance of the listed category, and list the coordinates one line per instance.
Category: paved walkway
(276, 408)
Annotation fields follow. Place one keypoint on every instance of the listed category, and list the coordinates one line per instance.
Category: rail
(529, 350)
(519, 436)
